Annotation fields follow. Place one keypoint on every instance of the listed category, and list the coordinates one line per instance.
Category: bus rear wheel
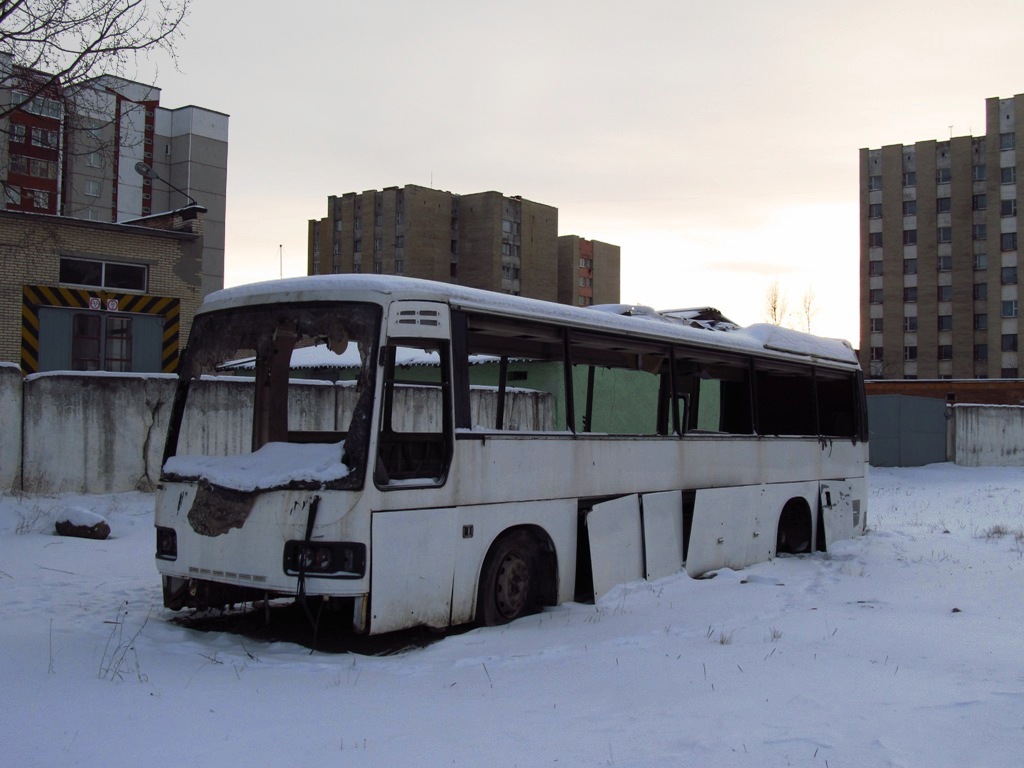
(509, 582)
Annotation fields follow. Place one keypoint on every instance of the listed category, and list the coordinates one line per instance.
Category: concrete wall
(104, 433)
(10, 427)
(989, 435)
(93, 433)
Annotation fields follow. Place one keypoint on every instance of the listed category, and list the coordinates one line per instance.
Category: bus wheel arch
(795, 530)
(518, 576)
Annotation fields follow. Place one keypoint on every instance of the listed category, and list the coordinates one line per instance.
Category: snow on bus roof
(671, 325)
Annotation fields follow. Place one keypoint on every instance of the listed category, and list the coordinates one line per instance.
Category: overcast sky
(715, 142)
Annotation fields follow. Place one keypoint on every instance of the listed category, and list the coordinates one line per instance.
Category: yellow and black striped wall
(39, 297)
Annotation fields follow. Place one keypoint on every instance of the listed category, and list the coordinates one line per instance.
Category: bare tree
(808, 308)
(775, 304)
(64, 43)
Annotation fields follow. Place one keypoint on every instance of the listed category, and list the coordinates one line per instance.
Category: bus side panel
(412, 568)
(616, 543)
(556, 517)
(736, 527)
(663, 533)
(841, 510)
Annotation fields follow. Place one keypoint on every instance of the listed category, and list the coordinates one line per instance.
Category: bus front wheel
(509, 585)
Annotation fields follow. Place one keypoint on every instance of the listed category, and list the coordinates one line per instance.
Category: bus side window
(414, 442)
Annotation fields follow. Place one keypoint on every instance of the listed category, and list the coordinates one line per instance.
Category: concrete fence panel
(989, 435)
(10, 427)
(93, 433)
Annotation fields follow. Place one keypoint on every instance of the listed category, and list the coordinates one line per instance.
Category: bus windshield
(261, 428)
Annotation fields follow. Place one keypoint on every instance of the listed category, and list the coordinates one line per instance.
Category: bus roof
(673, 325)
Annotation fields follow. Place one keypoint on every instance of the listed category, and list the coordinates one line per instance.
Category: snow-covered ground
(901, 648)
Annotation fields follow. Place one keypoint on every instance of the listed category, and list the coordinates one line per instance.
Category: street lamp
(147, 172)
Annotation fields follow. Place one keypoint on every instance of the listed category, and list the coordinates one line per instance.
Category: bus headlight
(334, 559)
(166, 543)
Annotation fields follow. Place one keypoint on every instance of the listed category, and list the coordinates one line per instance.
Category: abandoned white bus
(492, 454)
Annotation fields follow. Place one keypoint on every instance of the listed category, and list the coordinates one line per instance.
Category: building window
(1008, 276)
(1008, 342)
(874, 212)
(1008, 373)
(876, 354)
(943, 176)
(910, 294)
(979, 232)
(981, 322)
(1008, 241)
(18, 164)
(910, 237)
(981, 261)
(945, 234)
(12, 193)
(1008, 207)
(944, 293)
(910, 266)
(875, 296)
(40, 199)
(43, 137)
(1006, 141)
(945, 323)
(979, 173)
(944, 263)
(399, 266)
(1008, 175)
(874, 183)
(910, 179)
(979, 202)
(103, 274)
(981, 352)
(910, 207)
(874, 239)
(42, 169)
(17, 134)
(875, 268)
(118, 348)
(980, 291)
(910, 324)
(92, 188)
(910, 354)
(1010, 308)
(101, 343)
(85, 342)
(875, 324)
(945, 352)
(943, 205)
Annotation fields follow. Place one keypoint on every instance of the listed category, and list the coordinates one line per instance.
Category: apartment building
(939, 257)
(588, 271)
(73, 152)
(484, 240)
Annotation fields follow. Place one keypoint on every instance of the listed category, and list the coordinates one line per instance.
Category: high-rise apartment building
(939, 260)
(588, 271)
(73, 152)
(484, 240)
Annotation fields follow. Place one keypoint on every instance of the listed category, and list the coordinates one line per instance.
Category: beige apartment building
(939, 255)
(483, 240)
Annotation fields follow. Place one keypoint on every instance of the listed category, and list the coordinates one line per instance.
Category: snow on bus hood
(272, 466)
